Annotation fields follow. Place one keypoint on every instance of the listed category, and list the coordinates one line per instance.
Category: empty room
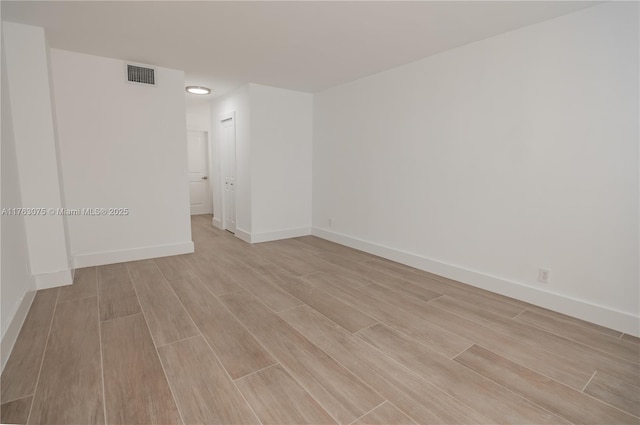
(320, 212)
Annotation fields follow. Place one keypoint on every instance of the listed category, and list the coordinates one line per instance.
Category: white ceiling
(306, 46)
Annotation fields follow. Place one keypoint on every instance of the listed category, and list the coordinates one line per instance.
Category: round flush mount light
(198, 90)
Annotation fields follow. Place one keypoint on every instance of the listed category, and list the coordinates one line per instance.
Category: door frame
(223, 157)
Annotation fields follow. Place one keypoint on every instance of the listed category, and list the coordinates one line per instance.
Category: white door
(198, 167)
(229, 172)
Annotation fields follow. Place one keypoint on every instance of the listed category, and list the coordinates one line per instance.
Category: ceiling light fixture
(198, 90)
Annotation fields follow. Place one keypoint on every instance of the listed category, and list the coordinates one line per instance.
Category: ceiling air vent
(141, 74)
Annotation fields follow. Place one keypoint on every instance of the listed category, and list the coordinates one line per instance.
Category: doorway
(228, 144)
(200, 195)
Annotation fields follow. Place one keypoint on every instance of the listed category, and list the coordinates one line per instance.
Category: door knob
(204, 177)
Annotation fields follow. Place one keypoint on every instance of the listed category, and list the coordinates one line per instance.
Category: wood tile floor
(305, 331)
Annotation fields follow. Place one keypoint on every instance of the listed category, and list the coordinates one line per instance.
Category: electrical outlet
(330, 222)
(544, 275)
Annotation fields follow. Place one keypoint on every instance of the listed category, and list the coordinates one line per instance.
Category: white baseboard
(217, 223)
(604, 316)
(243, 235)
(121, 256)
(10, 335)
(280, 234)
(53, 280)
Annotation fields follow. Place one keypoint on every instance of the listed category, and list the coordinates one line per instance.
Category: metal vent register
(141, 75)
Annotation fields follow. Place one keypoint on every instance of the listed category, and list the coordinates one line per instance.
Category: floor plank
(565, 370)
(21, 371)
(456, 380)
(538, 340)
(239, 256)
(294, 315)
(202, 219)
(213, 276)
(136, 389)
(341, 313)
(298, 245)
(385, 414)
(237, 349)
(16, 411)
(563, 318)
(278, 399)
(276, 275)
(203, 239)
(174, 268)
(341, 393)
(338, 278)
(631, 338)
(344, 264)
(363, 272)
(351, 254)
(70, 385)
(416, 397)
(402, 286)
(289, 247)
(399, 299)
(203, 390)
(295, 266)
(116, 295)
(272, 296)
(572, 405)
(332, 247)
(358, 269)
(323, 244)
(85, 285)
(624, 395)
(231, 251)
(168, 321)
(436, 337)
(592, 338)
(499, 304)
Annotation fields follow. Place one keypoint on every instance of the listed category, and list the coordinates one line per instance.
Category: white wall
(122, 145)
(15, 281)
(32, 119)
(489, 161)
(281, 139)
(199, 117)
(273, 161)
(238, 102)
